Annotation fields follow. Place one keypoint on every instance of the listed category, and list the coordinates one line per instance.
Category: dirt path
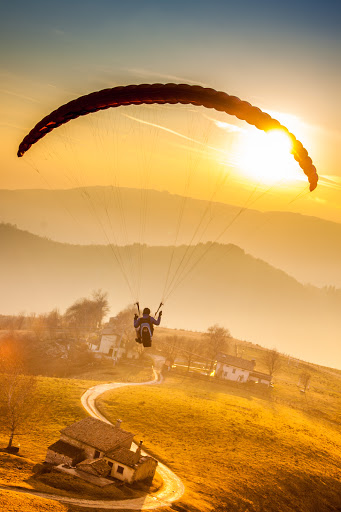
(171, 490)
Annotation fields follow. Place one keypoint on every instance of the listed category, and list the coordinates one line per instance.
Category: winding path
(171, 490)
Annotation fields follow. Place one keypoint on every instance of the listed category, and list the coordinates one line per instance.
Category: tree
(21, 409)
(85, 314)
(272, 360)
(305, 380)
(170, 347)
(53, 322)
(101, 306)
(123, 324)
(217, 341)
(189, 349)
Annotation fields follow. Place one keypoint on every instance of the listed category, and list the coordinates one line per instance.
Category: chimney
(118, 423)
(138, 452)
(253, 361)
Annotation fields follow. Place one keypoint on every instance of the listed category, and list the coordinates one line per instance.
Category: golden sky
(286, 65)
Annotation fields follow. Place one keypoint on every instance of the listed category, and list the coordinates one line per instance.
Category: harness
(146, 330)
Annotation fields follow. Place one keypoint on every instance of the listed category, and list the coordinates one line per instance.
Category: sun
(266, 156)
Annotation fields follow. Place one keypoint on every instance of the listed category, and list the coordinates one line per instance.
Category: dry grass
(15, 502)
(236, 449)
(235, 453)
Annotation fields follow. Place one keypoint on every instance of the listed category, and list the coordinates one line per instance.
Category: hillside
(236, 448)
(253, 299)
(308, 248)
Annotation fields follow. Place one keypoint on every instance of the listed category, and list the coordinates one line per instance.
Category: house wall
(88, 450)
(259, 380)
(145, 470)
(108, 341)
(57, 458)
(126, 476)
(232, 373)
(132, 354)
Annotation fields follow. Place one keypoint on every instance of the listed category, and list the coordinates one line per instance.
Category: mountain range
(307, 248)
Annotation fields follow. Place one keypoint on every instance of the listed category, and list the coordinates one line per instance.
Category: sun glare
(267, 158)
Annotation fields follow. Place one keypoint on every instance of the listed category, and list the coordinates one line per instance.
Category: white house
(101, 449)
(239, 370)
(233, 368)
(260, 378)
(113, 345)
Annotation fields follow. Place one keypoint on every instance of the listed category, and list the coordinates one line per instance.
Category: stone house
(239, 370)
(101, 449)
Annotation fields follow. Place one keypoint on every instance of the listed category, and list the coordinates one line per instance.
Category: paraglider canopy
(168, 93)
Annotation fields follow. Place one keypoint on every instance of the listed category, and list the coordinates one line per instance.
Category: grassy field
(238, 450)
(62, 398)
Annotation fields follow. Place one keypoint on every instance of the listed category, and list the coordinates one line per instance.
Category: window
(120, 470)
(234, 370)
(97, 454)
(110, 464)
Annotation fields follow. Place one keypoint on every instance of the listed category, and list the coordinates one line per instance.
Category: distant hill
(250, 297)
(308, 248)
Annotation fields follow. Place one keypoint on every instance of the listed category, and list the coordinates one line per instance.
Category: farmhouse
(239, 370)
(113, 345)
(101, 449)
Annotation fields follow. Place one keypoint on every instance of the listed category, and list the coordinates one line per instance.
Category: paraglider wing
(168, 93)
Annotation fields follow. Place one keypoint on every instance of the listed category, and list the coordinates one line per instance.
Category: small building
(97, 467)
(233, 368)
(113, 345)
(239, 370)
(131, 466)
(101, 449)
(260, 378)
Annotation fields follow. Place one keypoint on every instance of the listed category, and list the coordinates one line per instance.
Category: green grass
(234, 452)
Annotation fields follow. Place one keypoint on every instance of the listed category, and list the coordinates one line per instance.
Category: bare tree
(21, 410)
(53, 322)
(272, 360)
(170, 347)
(217, 341)
(38, 325)
(304, 380)
(101, 305)
(189, 349)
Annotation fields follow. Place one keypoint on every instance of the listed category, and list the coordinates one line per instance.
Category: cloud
(20, 96)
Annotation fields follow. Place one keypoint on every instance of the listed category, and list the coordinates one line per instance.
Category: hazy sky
(283, 57)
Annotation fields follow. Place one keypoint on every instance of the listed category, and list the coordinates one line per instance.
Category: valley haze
(277, 287)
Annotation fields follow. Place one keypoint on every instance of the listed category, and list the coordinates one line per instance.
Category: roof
(65, 449)
(97, 465)
(123, 455)
(128, 457)
(260, 375)
(239, 362)
(98, 434)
